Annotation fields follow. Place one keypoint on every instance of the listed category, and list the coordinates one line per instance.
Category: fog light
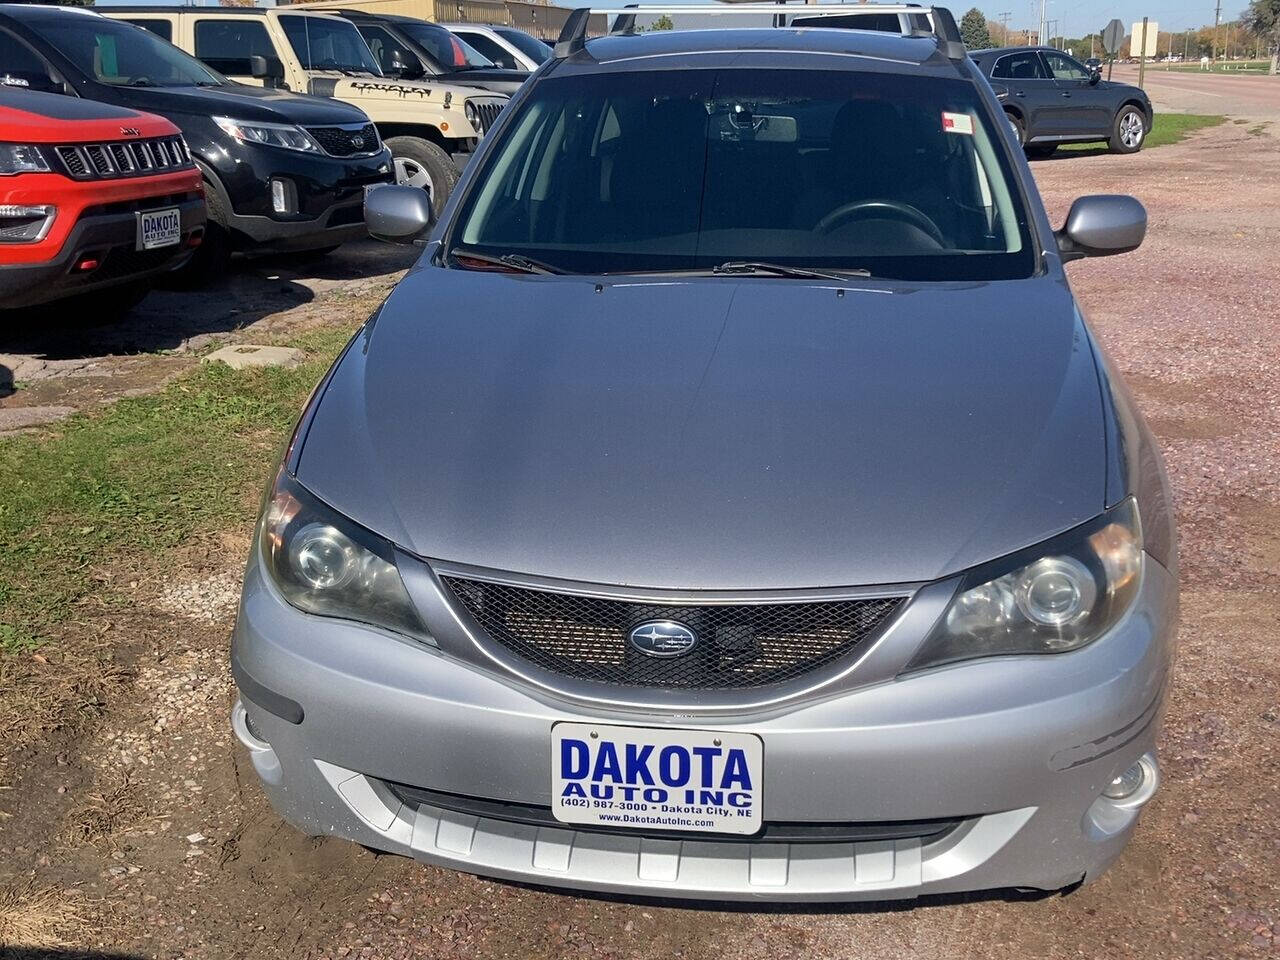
(284, 196)
(1127, 784)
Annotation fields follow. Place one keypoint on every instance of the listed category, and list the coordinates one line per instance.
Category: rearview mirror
(397, 214)
(266, 68)
(1094, 77)
(402, 68)
(1102, 225)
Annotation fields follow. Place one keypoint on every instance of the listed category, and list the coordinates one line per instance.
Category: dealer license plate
(647, 778)
(159, 228)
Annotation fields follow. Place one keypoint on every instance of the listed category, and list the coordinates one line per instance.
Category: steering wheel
(893, 209)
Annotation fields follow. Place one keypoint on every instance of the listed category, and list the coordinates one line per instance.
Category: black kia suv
(282, 171)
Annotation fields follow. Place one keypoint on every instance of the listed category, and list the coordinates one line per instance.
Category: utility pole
(1142, 53)
(1004, 27)
(1040, 38)
(1217, 18)
(1186, 45)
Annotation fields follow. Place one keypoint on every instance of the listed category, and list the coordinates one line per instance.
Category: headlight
(324, 564)
(473, 115)
(284, 135)
(21, 158)
(1052, 599)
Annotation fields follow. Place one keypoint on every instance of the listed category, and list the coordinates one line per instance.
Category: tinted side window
(161, 28)
(382, 45)
(1064, 68)
(491, 49)
(227, 45)
(21, 67)
(1019, 66)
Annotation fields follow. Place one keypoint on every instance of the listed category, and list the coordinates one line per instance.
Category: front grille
(773, 831)
(739, 645)
(488, 111)
(123, 158)
(347, 142)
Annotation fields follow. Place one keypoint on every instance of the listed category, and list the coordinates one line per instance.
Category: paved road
(1247, 95)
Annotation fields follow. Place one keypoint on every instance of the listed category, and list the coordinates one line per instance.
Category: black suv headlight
(324, 564)
(1053, 598)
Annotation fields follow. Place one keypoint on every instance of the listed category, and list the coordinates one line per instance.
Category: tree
(973, 30)
(1262, 19)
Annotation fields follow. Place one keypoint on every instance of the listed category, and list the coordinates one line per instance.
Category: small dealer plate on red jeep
(159, 228)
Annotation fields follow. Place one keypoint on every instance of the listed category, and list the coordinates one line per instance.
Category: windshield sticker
(957, 123)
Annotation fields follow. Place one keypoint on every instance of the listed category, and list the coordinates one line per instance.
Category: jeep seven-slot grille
(739, 645)
(344, 142)
(488, 111)
(124, 158)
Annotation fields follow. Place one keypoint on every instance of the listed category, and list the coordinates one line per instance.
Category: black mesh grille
(338, 142)
(739, 645)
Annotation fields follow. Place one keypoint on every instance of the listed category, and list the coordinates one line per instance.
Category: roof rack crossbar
(573, 36)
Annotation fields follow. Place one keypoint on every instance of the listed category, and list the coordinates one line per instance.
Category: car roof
(37, 11)
(775, 47)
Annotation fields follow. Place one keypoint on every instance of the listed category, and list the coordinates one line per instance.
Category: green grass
(139, 479)
(1166, 129)
(1233, 66)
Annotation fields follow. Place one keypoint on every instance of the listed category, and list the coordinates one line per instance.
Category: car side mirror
(1102, 225)
(402, 68)
(398, 214)
(1094, 77)
(266, 68)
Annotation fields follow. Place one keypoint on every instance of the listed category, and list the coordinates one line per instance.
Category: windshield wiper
(783, 270)
(513, 261)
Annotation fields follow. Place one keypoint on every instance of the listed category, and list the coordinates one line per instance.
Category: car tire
(1019, 128)
(420, 162)
(213, 256)
(1040, 151)
(1128, 130)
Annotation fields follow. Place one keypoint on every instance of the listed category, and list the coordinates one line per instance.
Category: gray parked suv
(731, 503)
(1055, 99)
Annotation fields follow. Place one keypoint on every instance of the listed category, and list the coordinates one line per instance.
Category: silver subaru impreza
(731, 503)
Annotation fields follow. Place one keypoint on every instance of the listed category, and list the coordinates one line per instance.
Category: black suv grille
(739, 645)
(124, 158)
(341, 142)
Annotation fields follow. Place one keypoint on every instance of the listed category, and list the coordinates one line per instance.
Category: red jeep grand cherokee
(94, 199)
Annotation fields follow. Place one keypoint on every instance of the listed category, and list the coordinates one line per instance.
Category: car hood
(244, 102)
(496, 79)
(714, 433)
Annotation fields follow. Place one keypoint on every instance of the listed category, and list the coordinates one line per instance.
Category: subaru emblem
(662, 638)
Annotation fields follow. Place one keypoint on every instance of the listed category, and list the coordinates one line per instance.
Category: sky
(1075, 17)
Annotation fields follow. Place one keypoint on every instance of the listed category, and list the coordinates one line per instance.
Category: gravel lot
(150, 837)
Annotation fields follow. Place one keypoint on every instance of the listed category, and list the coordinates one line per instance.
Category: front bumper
(1016, 749)
(328, 193)
(107, 233)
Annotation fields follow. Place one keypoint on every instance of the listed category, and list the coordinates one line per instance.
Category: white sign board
(1137, 48)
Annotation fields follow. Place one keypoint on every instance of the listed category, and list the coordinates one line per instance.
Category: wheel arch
(423, 131)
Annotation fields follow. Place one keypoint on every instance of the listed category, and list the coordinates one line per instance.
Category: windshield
(324, 44)
(451, 52)
(898, 175)
(123, 55)
(534, 49)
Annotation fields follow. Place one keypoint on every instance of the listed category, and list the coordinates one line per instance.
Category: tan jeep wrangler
(429, 127)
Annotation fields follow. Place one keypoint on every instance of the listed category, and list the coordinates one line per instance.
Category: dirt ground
(148, 836)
